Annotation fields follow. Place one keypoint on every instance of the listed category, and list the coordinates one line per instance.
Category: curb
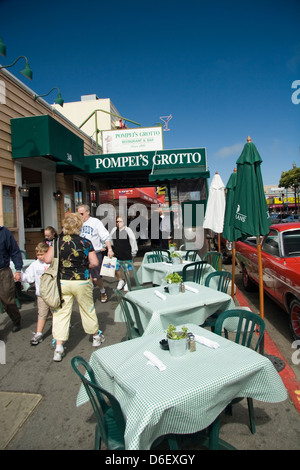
(287, 374)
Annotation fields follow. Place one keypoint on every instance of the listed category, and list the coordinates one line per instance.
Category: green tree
(291, 179)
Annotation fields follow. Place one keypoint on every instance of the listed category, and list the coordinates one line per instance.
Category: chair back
(100, 404)
(24, 254)
(134, 327)
(249, 330)
(128, 269)
(191, 255)
(223, 279)
(165, 254)
(194, 271)
(155, 258)
(214, 258)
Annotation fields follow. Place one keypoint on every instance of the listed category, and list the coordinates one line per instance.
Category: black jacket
(9, 250)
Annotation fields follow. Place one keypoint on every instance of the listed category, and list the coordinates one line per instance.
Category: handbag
(50, 289)
(108, 267)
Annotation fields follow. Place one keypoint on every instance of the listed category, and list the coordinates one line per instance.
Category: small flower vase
(177, 347)
(174, 289)
(175, 260)
(171, 249)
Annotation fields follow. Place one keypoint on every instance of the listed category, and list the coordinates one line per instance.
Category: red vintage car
(281, 268)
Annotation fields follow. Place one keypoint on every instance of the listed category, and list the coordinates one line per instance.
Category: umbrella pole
(219, 250)
(261, 291)
(233, 270)
(260, 274)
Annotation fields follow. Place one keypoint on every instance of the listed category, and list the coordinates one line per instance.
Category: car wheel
(248, 284)
(295, 318)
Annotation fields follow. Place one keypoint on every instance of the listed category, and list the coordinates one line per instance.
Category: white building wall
(78, 111)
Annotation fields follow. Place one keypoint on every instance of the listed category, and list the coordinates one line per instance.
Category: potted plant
(176, 257)
(172, 247)
(177, 340)
(174, 280)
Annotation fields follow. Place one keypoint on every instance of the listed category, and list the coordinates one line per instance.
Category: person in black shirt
(125, 247)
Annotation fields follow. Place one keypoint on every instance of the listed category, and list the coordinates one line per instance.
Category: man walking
(9, 250)
(94, 230)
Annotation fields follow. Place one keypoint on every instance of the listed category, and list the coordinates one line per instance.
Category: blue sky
(223, 70)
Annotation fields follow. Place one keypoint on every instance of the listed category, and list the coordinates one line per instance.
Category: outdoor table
(189, 394)
(157, 314)
(157, 272)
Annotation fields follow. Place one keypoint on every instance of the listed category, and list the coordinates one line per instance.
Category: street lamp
(59, 100)
(2, 48)
(27, 72)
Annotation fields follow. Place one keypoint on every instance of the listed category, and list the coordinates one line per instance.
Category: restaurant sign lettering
(147, 160)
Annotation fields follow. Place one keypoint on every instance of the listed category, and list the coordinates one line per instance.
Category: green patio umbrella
(250, 216)
(229, 233)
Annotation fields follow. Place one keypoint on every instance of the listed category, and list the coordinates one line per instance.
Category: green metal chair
(111, 424)
(134, 328)
(130, 274)
(223, 279)
(249, 333)
(164, 253)
(24, 254)
(155, 258)
(194, 271)
(214, 258)
(191, 255)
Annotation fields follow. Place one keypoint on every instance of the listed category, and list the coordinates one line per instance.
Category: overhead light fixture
(24, 190)
(27, 72)
(2, 48)
(58, 195)
(59, 100)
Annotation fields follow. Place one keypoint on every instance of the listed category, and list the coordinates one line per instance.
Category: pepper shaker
(192, 343)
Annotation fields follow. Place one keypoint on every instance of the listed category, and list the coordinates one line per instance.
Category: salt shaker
(192, 343)
(182, 287)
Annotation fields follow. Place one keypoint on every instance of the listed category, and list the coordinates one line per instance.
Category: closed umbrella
(229, 233)
(250, 216)
(215, 209)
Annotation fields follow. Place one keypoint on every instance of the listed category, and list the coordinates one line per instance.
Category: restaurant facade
(49, 166)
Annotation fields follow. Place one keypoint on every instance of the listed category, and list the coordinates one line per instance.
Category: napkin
(160, 295)
(167, 264)
(206, 342)
(192, 289)
(154, 361)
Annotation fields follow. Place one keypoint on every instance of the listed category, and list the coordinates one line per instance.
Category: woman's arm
(93, 260)
(49, 255)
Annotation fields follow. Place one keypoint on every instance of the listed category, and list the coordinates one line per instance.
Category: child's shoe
(36, 339)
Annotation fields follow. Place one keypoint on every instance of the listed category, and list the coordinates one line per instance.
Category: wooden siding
(20, 103)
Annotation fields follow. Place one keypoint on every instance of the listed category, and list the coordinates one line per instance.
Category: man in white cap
(94, 230)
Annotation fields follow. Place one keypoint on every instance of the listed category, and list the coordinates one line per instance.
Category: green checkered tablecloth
(157, 314)
(189, 394)
(157, 272)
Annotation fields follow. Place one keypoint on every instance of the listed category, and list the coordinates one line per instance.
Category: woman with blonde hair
(76, 257)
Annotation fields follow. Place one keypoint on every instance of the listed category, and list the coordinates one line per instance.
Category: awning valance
(43, 136)
(165, 174)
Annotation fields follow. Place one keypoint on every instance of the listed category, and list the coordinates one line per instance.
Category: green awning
(179, 173)
(43, 136)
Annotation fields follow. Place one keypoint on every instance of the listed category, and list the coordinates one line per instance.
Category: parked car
(281, 268)
(292, 218)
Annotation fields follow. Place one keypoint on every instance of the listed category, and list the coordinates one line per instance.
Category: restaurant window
(9, 206)
(78, 189)
(32, 208)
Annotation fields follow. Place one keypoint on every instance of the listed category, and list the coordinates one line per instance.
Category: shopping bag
(108, 267)
(50, 290)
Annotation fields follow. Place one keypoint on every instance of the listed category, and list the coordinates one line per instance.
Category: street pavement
(38, 396)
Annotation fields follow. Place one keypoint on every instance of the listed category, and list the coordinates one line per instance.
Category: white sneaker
(58, 355)
(125, 288)
(98, 339)
(120, 284)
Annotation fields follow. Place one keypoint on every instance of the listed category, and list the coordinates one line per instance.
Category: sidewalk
(37, 395)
